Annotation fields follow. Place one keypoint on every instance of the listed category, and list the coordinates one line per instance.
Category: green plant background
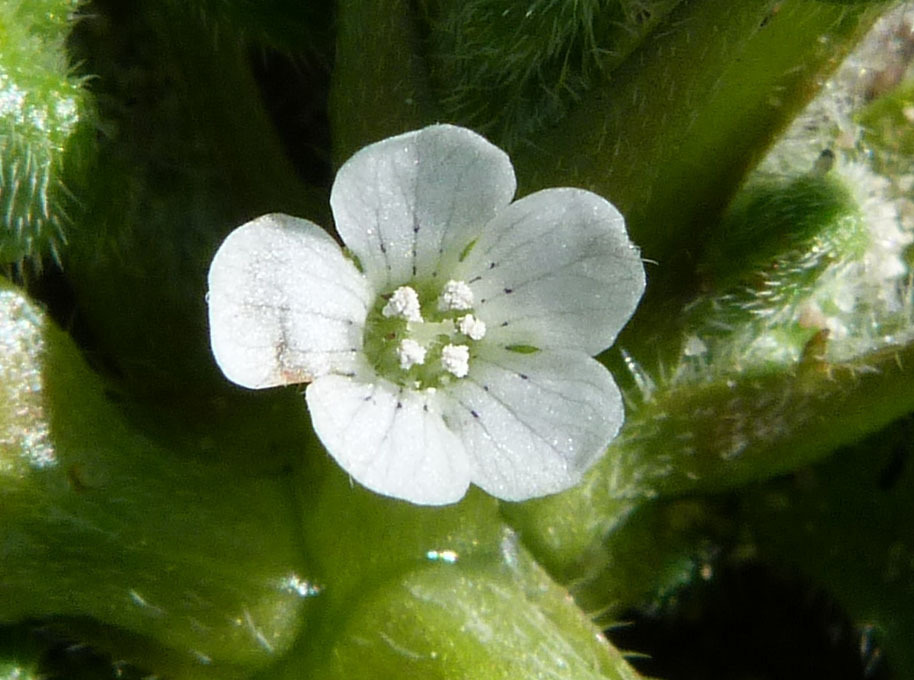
(158, 521)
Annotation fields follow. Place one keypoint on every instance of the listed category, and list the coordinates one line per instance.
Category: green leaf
(670, 135)
(440, 593)
(439, 623)
(104, 528)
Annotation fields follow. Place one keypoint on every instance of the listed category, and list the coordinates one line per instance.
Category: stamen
(456, 360)
(472, 327)
(455, 296)
(410, 353)
(403, 303)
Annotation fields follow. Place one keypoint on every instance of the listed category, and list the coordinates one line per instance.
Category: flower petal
(285, 305)
(403, 204)
(390, 439)
(555, 270)
(533, 424)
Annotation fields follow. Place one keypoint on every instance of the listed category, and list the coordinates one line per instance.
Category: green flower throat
(423, 337)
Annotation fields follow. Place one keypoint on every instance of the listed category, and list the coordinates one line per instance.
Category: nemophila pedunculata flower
(452, 341)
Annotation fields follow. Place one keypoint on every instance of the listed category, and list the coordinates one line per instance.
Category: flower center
(423, 337)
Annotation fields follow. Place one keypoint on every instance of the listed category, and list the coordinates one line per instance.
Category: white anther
(410, 353)
(456, 359)
(472, 327)
(403, 303)
(455, 296)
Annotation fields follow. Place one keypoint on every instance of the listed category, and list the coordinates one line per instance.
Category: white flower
(457, 348)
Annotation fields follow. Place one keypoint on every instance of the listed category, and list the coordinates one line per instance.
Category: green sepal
(509, 70)
(763, 263)
(784, 232)
(47, 130)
